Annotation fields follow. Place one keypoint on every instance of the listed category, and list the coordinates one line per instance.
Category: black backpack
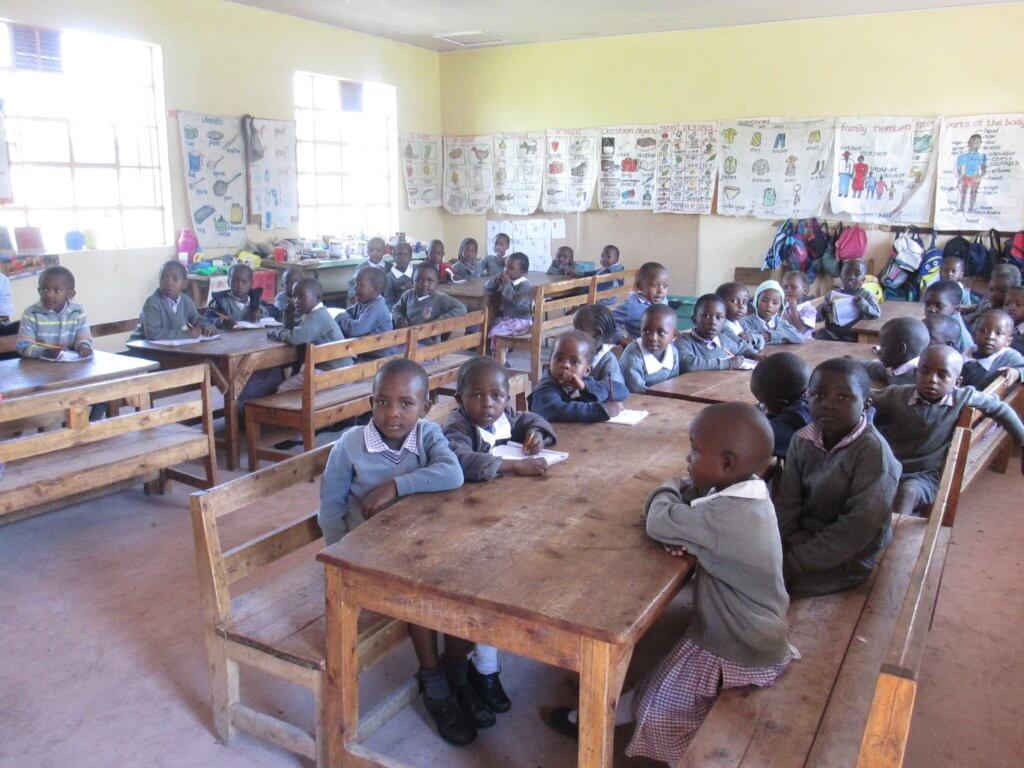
(960, 248)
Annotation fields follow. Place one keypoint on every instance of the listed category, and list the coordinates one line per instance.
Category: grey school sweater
(634, 370)
(474, 453)
(159, 320)
(696, 355)
(437, 306)
(607, 368)
(739, 599)
(516, 300)
(919, 434)
(318, 327)
(396, 286)
(463, 271)
(976, 375)
(782, 333)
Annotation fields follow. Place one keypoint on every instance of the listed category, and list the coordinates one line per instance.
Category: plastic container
(188, 243)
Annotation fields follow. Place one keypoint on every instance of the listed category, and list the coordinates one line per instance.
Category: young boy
(56, 322)
(399, 277)
(943, 330)
(704, 347)
(240, 302)
(435, 255)
(918, 421)
(423, 303)
(315, 326)
(992, 353)
(900, 343)
(370, 313)
(768, 322)
(283, 299)
(736, 298)
(566, 392)
(800, 311)
(170, 314)
(837, 488)
(1014, 306)
(953, 269)
(563, 264)
(651, 288)
(779, 383)
(397, 454)
(852, 275)
(466, 266)
(943, 298)
(610, 265)
(495, 265)
(652, 358)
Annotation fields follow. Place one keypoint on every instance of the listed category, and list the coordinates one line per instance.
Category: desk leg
(341, 704)
(231, 393)
(602, 671)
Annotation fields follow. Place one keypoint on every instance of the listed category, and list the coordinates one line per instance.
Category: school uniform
(366, 318)
(463, 271)
(515, 315)
(165, 319)
(787, 423)
(834, 508)
(417, 310)
(629, 314)
(282, 301)
(641, 369)
(808, 314)
(979, 372)
(612, 269)
(555, 403)
(472, 444)
(317, 327)
(966, 340)
(227, 304)
(555, 269)
(492, 266)
(382, 265)
(905, 373)
(66, 328)
(398, 283)
(968, 298)
(868, 306)
(606, 366)
(699, 354)
(361, 461)
(779, 330)
(1017, 342)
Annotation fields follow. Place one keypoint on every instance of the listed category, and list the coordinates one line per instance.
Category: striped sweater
(66, 328)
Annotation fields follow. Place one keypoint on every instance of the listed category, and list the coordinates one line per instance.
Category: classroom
(666, 358)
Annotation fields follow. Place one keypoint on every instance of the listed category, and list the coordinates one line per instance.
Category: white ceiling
(531, 21)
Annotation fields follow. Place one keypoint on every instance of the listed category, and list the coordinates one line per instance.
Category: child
(596, 321)
(953, 269)
(240, 302)
(943, 298)
(397, 454)
(652, 358)
(1004, 277)
(651, 288)
(375, 248)
(56, 322)
(435, 255)
(283, 299)
(610, 265)
(515, 315)
(563, 264)
(1014, 306)
(567, 392)
(423, 303)
(943, 330)
(779, 383)
(399, 277)
(767, 320)
(992, 353)
(704, 347)
(495, 265)
(918, 421)
(800, 311)
(170, 314)
(835, 497)
(900, 343)
(737, 304)
(466, 266)
(852, 274)
(316, 326)
(370, 314)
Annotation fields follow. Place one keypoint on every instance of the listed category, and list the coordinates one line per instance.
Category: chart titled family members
(212, 151)
(518, 172)
(570, 169)
(628, 159)
(421, 158)
(686, 167)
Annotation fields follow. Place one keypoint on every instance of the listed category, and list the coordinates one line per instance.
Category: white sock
(623, 713)
(485, 659)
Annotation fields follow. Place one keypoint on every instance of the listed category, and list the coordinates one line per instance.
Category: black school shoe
(559, 720)
(474, 706)
(455, 726)
(490, 690)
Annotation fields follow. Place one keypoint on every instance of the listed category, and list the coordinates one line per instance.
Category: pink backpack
(852, 243)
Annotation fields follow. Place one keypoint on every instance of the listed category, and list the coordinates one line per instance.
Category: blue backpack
(978, 262)
(777, 251)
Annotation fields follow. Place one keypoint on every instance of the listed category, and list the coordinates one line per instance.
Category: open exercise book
(184, 342)
(265, 322)
(514, 452)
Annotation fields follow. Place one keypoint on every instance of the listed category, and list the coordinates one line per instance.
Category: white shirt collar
(398, 273)
(1019, 328)
(519, 280)
(734, 326)
(605, 349)
(502, 431)
(907, 367)
(915, 398)
(424, 298)
(652, 364)
(374, 442)
(709, 343)
(754, 488)
(319, 305)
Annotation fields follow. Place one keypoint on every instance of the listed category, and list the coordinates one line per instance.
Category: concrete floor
(102, 661)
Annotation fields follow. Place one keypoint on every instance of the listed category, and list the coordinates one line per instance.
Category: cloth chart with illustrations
(529, 236)
(213, 155)
(421, 159)
(686, 167)
(468, 174)
(570, 170)
(980, 174)
(518, 172)
(771, 168)
(628, 157)
(273, 181)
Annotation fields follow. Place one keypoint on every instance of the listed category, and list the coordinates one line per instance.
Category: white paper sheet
(518, 172)
(213, 154)
(264, 322)
(570, 169)
(273, 179)
(421, 159)
(184, 342)
(686, 168)
(529, 236)
(514, 452)
(628, 157)
(468, 174)
(629, 418)
(65, 356)
(844, 309)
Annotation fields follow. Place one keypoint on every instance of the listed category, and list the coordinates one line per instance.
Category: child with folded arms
(567, 392)
(652, 358)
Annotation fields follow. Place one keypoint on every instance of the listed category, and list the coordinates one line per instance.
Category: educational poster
(421, 158)
(570, 169)
(628, 156)
(468, 174)
(212, 152)
(980, 176)
(6, 194)
(686, 167)
(518, 172)
(881, 164)
(529, 236)
(21, 265)
(273, 180)
(774, 169)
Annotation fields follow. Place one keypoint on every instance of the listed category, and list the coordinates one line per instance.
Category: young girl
(466, 266)
(992, 354)
(597, 322)
(704, 347)
(435, 255)
(652, 358)
(736, 298)
(800, 311)
(495, 265)
(767, 320)
(563, 264)
(515, 317)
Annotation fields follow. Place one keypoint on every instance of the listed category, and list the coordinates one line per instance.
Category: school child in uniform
(567, 391)
(315, 326)
(852, 275)
(799, 311)
(170, 314)
(283, 299)
(651, 288)
(397, 454)
(838, 484)
(399, 276)
(515, 316)
(704, 347)
(241, 302)
(56, 322)
(596, 321)
(918, 421)
(609, 266)
(953, 269)
(768, 321)
(1004, 277)
(564, 263)
(435, 255)
(779, 383)
(943, 298)
(900, 343)
(1014, 307)
(466, 266)
(494, 265)
(737, 306)
(653, 357)
(375, 248)
(943, 330)
(423, 303)
(370, 313)
(992, 353)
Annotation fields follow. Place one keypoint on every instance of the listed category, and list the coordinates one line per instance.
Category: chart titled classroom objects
(421, 158)
(518, 172)
(212, 152)
(771, 168)
(980, 176)
(628, 158)
(468, 174)
(686, 167)
(570, 169)
(273, 181)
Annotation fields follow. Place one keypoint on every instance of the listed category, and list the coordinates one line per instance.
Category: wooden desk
(734, 386)
(548, 549)
(868, 330)
(22, 377)
(232, 359)
(472, 293)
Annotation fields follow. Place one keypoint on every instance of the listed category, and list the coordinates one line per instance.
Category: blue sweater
(629, 314)
(976, 376)
(694, 355)
(782, 333)
(554, 403)
(366, 318)
(607, 368)
(787, 423)
(634, 371)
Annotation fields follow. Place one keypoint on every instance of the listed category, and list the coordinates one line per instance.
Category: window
(84, 121)
(347, 162)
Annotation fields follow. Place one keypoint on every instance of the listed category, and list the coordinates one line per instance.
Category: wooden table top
(891, 309)
(474, 286)
(568, 549)
(230, 344)
(22, 376)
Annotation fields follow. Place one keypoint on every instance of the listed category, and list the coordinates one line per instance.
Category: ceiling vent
(474, 39)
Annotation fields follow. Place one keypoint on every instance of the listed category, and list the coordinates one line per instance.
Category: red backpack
(1013, 252)
(851, 244)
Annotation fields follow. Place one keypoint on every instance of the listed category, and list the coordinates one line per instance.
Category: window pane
(328, 189)
(328, 126)
(366, 190)
(306, 189)
(5, 46)
(133, 106)
(378, 220)
(308, 222)
(326, 93)
(92, 142)
(355, 160)
(303, 85)
(42, 187)
(303, 125)
(305, 158)
(354, 222)
(96, 187)
(355, 128)
(11, 218)
(55, 224)
(105, 223)
(330, 220)
(40, 94)
(328, 158)
(145, 227)
(43, 141)
(139, 187)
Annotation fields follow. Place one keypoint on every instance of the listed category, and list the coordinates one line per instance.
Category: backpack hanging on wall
(904, 261)
(829, 264)
(979, 260)
(928, 273)
(958, 247)
(774, 256)
(851, 244)
(1014, 251)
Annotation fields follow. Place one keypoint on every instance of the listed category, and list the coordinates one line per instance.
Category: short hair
(1001, 314)
(403, 245)
(310, 284)
(659, 311)
(65, 274)
(475, 365)
(858, 263)
(174, 264)
(375, 239)
(597, 315)
(947, 288)
(800, 273)
(378, 279)
(435, 241)
(239, 265)
(503, 236)
(727, 289)
(911, 331)
(847, 366)
(466, 241)
(426, 265)
(611, 247)
(648, 270)
(741, 430)
(521, 259)
(1009, 271)
(402, 367)
(580, 337)
(952, 258)
(707, 297)
(782, 376)
(944, 325)
(572, 253)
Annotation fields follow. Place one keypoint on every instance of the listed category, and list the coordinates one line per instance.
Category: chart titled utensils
(468, 174)
(214, 166)
(518, 172)
(686, 168)
(570, 169)
(421, 158)
(628, 156)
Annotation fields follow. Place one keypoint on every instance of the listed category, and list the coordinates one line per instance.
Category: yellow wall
(957, 61)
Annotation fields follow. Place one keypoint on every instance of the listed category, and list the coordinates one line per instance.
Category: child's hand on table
(613, 408)
(374, 501)
(194, 331)
(255, 316)
(227, 323)
(534, 467)
(83, 349)
(533, 442)
(736, 363)
(207, 330)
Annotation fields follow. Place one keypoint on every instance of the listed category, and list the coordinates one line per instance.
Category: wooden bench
(83, 459)
(990, 445)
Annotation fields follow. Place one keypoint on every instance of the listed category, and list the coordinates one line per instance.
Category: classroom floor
(102, 660)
